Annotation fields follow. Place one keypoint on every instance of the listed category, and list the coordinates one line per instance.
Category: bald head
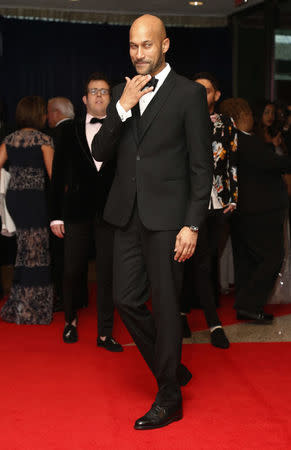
(149, 22)
(148, 44)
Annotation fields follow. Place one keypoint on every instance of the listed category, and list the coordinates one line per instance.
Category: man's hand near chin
(134, 91)
(186, 241)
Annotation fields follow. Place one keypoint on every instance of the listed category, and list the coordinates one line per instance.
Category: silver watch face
(193, 228)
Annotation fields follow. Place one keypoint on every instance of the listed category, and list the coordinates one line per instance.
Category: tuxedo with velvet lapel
(162, 182)
(78, 196)
(78, 191)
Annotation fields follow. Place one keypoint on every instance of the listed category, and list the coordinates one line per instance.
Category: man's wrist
(124, 106)
(123, 114)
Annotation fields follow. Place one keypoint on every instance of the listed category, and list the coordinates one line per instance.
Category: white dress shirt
(146, 99)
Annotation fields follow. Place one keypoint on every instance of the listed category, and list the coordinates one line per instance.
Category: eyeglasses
(94, 91)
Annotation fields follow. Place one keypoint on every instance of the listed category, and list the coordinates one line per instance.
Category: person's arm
(48, 155)
(198, 135)
(231, 139)
(3, 155)
(105, 141)
(58, 181)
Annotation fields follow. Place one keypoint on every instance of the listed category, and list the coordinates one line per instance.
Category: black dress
(31, 296)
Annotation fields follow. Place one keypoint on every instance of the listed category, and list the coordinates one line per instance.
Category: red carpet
(79, 397)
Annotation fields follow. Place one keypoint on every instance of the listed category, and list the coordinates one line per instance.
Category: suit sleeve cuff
(57, 222)
(124, 115)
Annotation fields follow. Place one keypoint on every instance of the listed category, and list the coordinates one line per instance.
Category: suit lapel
(81, 136)
(156, 104)
(135, 122)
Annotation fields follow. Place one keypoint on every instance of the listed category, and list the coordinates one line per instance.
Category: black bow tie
(96, 120)
(152, 83)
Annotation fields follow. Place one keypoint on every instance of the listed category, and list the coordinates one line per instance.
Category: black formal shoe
(159, 416)
(70, 334)
(109, 344)
(185, 326)
(218, 338)
(259, 318)
(184, 375)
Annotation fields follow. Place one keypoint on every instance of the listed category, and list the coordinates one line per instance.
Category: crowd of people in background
(57, 192)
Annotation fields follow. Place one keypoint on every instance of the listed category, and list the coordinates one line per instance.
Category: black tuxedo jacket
(261, 187)
(164, 157)
(78, 190)
(58, 130)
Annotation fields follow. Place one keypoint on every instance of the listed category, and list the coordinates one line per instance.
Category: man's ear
(84, 98)
(165, 45)
(217, 96)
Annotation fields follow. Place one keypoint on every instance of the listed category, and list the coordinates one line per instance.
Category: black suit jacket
(164, 157)
(261, 187)
(78, 190)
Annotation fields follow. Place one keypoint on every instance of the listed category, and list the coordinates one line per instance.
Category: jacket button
(133, 179)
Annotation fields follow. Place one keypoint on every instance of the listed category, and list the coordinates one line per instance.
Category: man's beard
(151, 67)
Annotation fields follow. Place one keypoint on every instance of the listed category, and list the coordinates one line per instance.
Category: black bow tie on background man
(152, 83)
(96, 120)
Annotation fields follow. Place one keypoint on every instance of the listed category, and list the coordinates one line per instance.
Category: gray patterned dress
(31, 296)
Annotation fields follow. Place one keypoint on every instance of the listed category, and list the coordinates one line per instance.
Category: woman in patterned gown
(30, 155)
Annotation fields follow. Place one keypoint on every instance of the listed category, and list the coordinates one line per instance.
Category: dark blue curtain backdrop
(54, 59)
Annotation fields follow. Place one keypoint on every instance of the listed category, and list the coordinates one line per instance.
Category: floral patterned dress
(31, 296)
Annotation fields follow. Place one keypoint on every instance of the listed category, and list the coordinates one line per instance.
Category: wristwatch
(193, 228)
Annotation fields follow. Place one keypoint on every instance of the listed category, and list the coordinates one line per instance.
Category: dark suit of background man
(258, 224)
(80, 187)
(60, 112)
(161, 188)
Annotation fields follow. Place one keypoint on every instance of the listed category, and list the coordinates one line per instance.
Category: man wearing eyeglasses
(80, 186)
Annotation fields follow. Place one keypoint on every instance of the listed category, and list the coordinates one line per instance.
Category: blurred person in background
(80, 187)
(258, 223)
(267, 127)
(30, 155)
(200, 275)
(60, 114)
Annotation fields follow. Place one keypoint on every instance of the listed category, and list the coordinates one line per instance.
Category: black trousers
(57, 265)
(200, 275)
(143, 264)
(258, 250)
(78, 238)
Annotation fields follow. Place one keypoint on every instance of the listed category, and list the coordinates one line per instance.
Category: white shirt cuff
(56, 222)
(124, 115)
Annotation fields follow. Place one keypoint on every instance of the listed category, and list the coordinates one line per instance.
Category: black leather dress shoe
(70, 334)
(259, 318)
(109, 344)
(159, 416)
(184, 375)
(185, 327)
(218, 338)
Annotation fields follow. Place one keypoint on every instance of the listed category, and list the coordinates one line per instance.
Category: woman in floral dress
(30, 156)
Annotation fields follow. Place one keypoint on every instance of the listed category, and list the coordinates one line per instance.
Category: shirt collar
(162, 75)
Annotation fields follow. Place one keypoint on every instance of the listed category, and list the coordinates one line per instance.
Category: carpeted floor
(80, 397)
